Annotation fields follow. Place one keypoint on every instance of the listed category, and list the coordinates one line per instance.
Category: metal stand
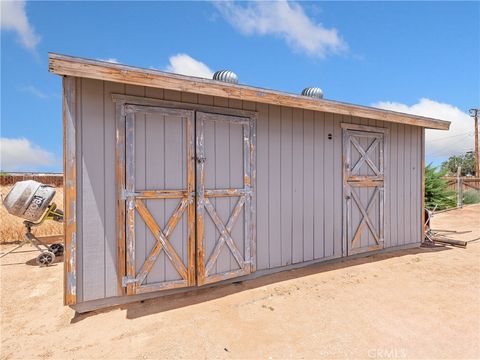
(47, 253)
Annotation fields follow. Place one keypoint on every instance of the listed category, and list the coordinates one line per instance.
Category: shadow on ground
(199, 295)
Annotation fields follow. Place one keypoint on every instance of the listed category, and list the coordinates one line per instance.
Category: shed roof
(101, 70)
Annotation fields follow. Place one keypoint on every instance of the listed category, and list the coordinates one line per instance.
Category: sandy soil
(420, 303)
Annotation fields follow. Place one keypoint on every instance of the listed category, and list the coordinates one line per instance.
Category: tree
(436, 190)
(466, 161)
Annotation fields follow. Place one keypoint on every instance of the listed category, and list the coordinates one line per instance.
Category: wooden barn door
(160, 199)
(363, 189)
(225, 202)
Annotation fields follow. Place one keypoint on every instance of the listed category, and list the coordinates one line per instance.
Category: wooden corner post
(70, 189)
(423, 230)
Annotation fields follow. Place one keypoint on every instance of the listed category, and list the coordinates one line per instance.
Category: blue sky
(419, 57)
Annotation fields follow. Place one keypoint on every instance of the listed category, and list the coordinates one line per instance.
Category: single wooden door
(160, 199)
(363, 189)
(225, 197)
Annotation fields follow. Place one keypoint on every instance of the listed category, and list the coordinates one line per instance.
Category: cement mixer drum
(29, 199)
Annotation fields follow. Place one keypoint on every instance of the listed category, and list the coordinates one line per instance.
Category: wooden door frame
(121, 101)
(129, 200)
(345, 188)
(246, 201)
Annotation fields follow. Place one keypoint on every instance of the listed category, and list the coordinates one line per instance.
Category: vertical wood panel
(297, 196)
(274, 192)
(393, 241)
(262, 187)
(286, 184)
(337, 185)
(93, 194)
(111, 277)
(401, 185)
(319, 193)
(407, 198)
(308, 185)
(329, 184)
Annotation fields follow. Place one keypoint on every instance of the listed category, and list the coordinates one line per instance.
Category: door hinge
(128, 280)
(125, 194)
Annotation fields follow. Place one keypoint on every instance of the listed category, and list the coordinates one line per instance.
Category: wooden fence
(467, 182)
(48, 179)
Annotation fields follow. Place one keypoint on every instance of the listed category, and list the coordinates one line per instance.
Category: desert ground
(418, 303)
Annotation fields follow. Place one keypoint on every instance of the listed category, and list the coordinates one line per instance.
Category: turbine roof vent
(314, 92)
(227, 76)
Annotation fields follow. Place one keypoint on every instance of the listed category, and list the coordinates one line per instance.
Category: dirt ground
(419, 303)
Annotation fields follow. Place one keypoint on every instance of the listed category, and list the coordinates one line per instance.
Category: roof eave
(100, 70)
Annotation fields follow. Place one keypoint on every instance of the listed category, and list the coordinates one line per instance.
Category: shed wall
(299, 182)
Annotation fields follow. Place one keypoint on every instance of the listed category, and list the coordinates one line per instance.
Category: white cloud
(285, 20)
(34, 91)
(186, 65)
(440, 144)
(110, 60)
(14, 17)
(20, 154)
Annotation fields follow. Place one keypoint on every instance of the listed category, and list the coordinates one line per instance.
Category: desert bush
(436, 190)
(471, 197)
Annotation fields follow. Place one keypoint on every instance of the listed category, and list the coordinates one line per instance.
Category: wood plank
(70, 189)
(93, 197)
(320, 139)
(67, 65)
(286, 185)
(263, 187)
(274, 190)
(112, 282)
(337, 185)
(328, 184)
(296, 203)
(308, 185)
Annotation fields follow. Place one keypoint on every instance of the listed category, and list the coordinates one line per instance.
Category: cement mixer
(32, 201)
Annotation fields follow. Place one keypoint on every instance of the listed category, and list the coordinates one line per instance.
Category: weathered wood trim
(253, 192)
(120, 187)
(247, 182)
(70, 189)
(74, 66)
(151, 102)
(191, 198)
(245, 201)
(320, 263)
(200, 213)
(130, 202)
(362, 128)
(160, 194)
(224, 192)
(422, 154)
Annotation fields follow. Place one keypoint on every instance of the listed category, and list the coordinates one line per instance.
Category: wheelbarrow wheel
(45, 258)
(57, 249)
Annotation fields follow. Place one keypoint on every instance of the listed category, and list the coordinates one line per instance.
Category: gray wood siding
(299, 182)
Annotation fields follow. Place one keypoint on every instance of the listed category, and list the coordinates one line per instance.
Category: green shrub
(471, 197)
(436, 190)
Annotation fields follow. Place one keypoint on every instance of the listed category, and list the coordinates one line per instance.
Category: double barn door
(188, 197)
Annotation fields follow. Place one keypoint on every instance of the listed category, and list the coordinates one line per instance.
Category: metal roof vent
(313, 92)
(226, 76)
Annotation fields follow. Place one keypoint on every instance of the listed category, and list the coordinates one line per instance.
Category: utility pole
(474, 114)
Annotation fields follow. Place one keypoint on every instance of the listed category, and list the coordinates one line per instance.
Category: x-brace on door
(225, 217)
(175, 160)
(160, 198)
(363, 187)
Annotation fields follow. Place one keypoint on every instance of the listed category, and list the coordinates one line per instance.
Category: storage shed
(174, 182)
